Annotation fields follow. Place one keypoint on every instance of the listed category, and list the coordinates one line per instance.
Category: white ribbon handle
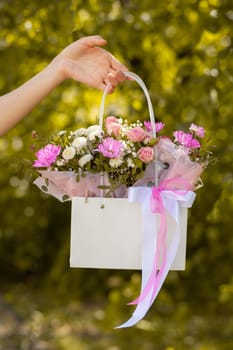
(150, 108)
(145, 90)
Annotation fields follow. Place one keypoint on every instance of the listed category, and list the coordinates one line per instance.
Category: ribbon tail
(150, 274)
(158, 258)
(150, 292)
(131, 322)
(171, 254)
(153, 277)
(161, 255)
(148, 253)
(140, 311)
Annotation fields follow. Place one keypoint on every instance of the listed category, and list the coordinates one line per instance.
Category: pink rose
(110, 120)
(115, 129)
(136, 134)
(146, 154)
(113, 126)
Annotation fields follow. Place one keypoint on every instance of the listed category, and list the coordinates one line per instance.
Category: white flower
(79, 143)
(130, 163)
(93, 132)
(68, 153)
(115, 162)
(85, 159)
(61, 133)
(92, 128)
(146, 140)
(60, 162)
(124, 145)
(80, 132)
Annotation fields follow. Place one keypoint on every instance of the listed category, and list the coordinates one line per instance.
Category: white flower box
(108, 233)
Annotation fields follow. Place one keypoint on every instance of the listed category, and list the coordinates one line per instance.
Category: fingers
(93, 40)
(112, 80)
(115, 78)
(116, 65)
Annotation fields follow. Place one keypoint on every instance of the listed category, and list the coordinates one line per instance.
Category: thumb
(93, 40)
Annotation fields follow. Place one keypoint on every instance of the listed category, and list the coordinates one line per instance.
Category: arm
(82, 61)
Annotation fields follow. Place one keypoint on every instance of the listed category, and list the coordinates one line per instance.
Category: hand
(83, 61)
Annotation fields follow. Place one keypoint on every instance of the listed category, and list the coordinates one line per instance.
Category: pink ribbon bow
(157, 206)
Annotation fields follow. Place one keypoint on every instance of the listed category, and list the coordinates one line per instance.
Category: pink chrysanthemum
(110, 148)
(158, 126)
(46, 156)
(186, 139)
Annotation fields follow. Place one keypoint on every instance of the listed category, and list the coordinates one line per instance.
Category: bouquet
(126, 160)
(90, 160)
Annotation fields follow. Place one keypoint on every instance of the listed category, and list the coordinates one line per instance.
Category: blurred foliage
(183, 51)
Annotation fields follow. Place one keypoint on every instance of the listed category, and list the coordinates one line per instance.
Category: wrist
(57, 70)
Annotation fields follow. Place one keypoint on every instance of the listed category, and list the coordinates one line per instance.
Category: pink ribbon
(157, 206)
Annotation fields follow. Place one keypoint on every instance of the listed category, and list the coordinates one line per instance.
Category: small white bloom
(61, 162)
(130, 163)
(124, 145)
(85, 159)
(193, 127)
(146, 141)
(62, 132)
(68, 153)
(115, 162)
(127, 149)
(79, 143)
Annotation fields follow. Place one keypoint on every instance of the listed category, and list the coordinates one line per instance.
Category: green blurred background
(183, 51)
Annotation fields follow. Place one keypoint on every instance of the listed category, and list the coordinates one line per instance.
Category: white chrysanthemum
(115, 162)
(93, 132)
(80, 132)
(68, 153)
(92, 128)
(79, 142)
(85, 159)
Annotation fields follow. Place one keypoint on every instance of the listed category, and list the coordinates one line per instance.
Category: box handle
(150, 108)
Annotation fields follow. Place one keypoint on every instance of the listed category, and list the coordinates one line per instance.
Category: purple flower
(46, 156)
(158, 126)
(110, 148)
(199, 131)
(186, 139)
